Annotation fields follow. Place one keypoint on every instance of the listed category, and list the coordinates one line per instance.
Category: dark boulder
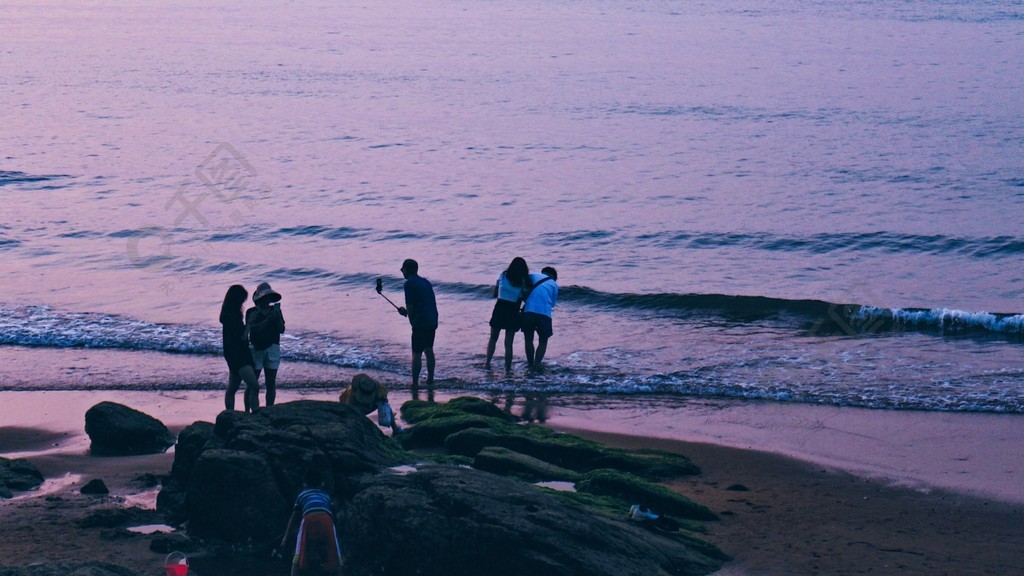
(233, 495)
(508, 463)
(95, 487)
(568, 451)
(117, 430)
(236, 479)
(416, 411)
(449, 521)
(18, 474)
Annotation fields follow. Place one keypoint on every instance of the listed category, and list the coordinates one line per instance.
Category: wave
(41, 326)
(824, 317)
(877, 242)
(759, 373)
(13, 178)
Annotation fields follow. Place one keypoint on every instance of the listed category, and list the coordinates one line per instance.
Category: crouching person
(366, 395)
(316, 547)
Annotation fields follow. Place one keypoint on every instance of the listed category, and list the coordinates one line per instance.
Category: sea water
(793, 201)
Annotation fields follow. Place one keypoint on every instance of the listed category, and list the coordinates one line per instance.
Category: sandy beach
(800, 489)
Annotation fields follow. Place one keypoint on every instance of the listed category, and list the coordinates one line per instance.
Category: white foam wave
(944, 318)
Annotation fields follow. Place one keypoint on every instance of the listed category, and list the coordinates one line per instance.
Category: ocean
(787, 201)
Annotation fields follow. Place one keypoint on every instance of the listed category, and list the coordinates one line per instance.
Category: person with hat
(266, 324)
(366, 395)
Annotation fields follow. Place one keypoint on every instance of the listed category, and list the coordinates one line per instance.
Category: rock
(448, 521)
(167, 543)
(106, 518)
(508, 463)
(18, 474)
(415, 411)
(568, 451)
(237, 479)
(117, 430)
(192, 441)
(433, 432)
(86, 569)
(147, 480)
(636, 490)
(233, 495)
(236, 482)
(95, 487)
(738, 488)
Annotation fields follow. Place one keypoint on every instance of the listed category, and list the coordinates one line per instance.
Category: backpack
(263, 329)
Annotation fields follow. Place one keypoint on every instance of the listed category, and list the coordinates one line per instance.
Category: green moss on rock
(416, 411)
(508, 463)
(432, 432)
(568, 451)
(636, 490)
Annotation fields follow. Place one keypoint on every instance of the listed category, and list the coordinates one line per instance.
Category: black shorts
(422, 339)
(539, 323)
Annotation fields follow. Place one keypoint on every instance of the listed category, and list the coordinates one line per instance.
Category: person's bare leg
(252, 388)
(430, 373)
(510, 338)
(249, 398)
(271, 382)
(491, 344)
(528, 337)
(229, 396)
(542, 347)
(417, 367)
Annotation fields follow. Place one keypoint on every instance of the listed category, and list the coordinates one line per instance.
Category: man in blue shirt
(421, 308)
(537, 314)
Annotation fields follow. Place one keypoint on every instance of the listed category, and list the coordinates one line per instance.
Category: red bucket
(176, 564)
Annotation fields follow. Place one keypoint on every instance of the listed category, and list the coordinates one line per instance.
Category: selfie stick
(380, 291)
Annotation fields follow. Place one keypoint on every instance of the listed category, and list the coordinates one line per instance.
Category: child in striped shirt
(316, 548)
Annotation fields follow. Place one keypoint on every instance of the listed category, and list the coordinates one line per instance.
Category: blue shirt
(313, 500)
(543, 297)
(419, 301)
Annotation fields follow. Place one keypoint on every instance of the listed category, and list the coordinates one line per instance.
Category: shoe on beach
(639, 514)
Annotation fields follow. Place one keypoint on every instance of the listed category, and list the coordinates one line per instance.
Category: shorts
(317, 545)
(422, 339)
(269, 358)
(539, 323)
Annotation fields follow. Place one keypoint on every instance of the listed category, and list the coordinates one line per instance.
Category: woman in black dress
(236, 350)
(509, 290)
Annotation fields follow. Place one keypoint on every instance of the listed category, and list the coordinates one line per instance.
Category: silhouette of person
(236, 350)
(537, 309)
(509, 290)
(421, 309)
(265, 324)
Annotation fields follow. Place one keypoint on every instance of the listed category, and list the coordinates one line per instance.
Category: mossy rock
(568, 451)
(415, 411)
(651, 464)
(433, 432)
(508, 463)
(636, 490)
(618, 509)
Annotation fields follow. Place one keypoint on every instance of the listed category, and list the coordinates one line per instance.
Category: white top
(507, 290)
(543, 297)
